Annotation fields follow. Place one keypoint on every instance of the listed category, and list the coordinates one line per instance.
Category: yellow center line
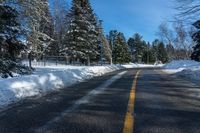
(129, 119)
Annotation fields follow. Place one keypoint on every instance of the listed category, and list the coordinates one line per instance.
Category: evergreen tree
(38, 24)
(148, 55)
(162, 53)
(47, 28)
(170, 51)
(121, 50)
(137, 46)
(9, 32)
(95, 25)
(10, 45)
(155, 51)
(196, 37)
(106, 49)
(59, 10)
(81, 41)
(111, 39)
(132, 47)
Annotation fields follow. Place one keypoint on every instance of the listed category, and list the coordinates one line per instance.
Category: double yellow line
(129, 119)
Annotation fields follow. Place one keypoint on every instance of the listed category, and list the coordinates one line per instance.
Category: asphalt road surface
(162, 104)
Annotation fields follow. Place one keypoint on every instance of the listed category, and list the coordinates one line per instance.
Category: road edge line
(129, 118)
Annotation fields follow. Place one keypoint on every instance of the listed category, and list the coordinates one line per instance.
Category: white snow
(184, 68)
(132, 65)
(49, 78)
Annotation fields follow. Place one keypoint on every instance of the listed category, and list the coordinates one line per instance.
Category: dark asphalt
(164, 104)
(103, 114)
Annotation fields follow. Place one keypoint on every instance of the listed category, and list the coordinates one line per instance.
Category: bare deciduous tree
(181, 41)
(166, 36)
(177, 39)
(188, 10)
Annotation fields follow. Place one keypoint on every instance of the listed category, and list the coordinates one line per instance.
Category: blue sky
(131, 16)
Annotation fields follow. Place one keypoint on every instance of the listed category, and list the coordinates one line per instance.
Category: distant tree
(148, 55)
(162, 53)
(107, 53)
(177, 40)
(137, 46)
(159, 51)
(111, 39)
(183, 47)
(170, 51)
(154, 48)
(121, 50)
(132, 47)
(166, 35)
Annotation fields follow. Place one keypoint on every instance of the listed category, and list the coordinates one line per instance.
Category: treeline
(25, 27)
(177, 38)
(137, 49)
(38, 28)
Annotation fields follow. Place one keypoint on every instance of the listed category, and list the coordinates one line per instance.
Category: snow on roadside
(47, 79)
(184, 68)
(132, 65)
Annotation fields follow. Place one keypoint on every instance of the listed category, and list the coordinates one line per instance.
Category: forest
(34, 30)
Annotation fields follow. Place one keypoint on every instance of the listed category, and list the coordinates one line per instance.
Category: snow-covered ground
(184, 68)
(49, 78)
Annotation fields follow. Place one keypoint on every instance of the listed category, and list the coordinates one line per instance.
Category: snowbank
(132, 65)
(182, 64)
(47, 79)
(184, 68)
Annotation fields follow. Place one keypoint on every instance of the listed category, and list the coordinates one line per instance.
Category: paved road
(164, 104)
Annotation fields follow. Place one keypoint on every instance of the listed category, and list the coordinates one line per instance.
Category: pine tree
(111, 39)
(121, 50)
(196, 37)
(137, 46)
(105, 50)
(9, 32)
(170, 51)
(155, 51)
(162, 53)
(107, 53)
(59, 9)
(10, 45)
(148, 55)
(38, 24)
(132, 47)
(81, 38)
(95, 29)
